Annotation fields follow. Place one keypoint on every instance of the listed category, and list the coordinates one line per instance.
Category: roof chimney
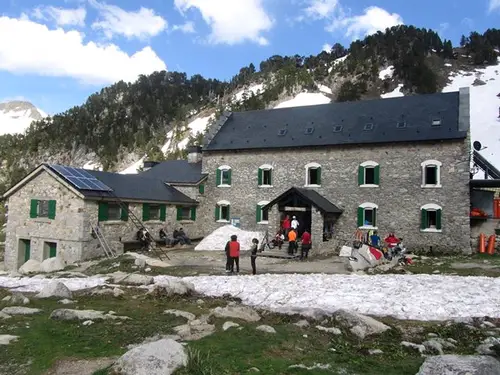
(194, 154)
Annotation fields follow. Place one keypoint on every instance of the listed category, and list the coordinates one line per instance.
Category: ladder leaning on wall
(108, 250)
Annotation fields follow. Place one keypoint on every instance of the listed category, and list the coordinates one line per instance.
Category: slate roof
(312, 196)
(135, 187)
(260, 129)
(176, 171)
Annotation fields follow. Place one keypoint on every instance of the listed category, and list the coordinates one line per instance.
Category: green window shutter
(218, 175)
(361, 216)
(438, 219)
(27, 250)
(103, 212)
(374, 217)
(217, 212)
(229, 177)
(145, 211)
(423, 219)
(52, 209)
(52, 250)
(319, 175)
(201, 188)
(179, 213)
(34, 208)
(193, 213)
(258, 211)
(361, 175)
(124, 212)
(163, 212)
(259, 176)
(377, 175)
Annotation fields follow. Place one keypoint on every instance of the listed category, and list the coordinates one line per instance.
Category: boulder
(171, 287)
(70, 314)
(19, 299)
(184, 314)
(360, 325)
(66, 301)
(4, 316)
(195, 329)
(460, 365)
(265, 328)
(52, 265)
(411, 345)
(161, 357)
(302, 324)
(333, 330)
(131, 279)
(486, 347)
(20, 310)
(6, 339)
(228, 325)
(237, 312)
(31, 266)
(139, 262)
(117, 292)
(55, 289)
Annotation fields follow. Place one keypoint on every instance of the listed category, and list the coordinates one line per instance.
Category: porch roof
(311, 196)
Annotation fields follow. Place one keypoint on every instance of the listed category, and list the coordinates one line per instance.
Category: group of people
(290, 231)
(374, 240)
(178, 237)
(233, 255)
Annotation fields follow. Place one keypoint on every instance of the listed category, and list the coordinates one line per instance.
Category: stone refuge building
(53, 210)
(399, 164)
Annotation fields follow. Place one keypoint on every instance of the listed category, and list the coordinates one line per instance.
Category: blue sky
(59, 51)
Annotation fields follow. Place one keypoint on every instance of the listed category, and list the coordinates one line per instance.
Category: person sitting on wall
(183, 237)
(145, 238)
(279, 239)
(164, 237)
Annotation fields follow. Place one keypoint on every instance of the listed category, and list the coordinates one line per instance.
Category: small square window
(264, 215)
(313, 176)
(114, 211)
(369, 217)
(154, 212)
(225, 177)
(436, 122)
(309, 131)
(431, 177)
(431, 219)
(43, 209)
(185, 213)
(224, 213)
(266, 177)
(337, 128)
(401, 124)
(282, 132)
(370, 175)
(368, 126)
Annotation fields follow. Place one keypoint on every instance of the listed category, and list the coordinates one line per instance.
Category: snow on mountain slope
(255, 89)
(16, 116)
(93, 166)
(484, 108)
(133, 169)
(394, 93)
(304, 99)
(386, 73)
(325, 89)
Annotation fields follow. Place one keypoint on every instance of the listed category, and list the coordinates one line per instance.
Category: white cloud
(34, 48)
(493, 5)
(372, 20)
(62, 17)
(140, 24)
(187, 27)
(232, 21)
(320, 9)
(327, 47)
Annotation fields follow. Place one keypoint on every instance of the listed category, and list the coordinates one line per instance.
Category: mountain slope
(16, 116)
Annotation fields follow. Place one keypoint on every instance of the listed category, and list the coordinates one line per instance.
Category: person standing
(306, 245)
(286, 226)
(253, 255)
(295, 224)
(234, 253)
(292, 241)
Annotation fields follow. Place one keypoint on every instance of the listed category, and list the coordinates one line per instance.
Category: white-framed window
(430, 218)
(369, 174)
(431, 174)
(262, 216)
(223, 176)
(367, 216)
(313, 174)
(265, 175)
(223, 212)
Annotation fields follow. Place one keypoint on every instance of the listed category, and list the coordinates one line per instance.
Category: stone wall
(192, 229)
(399, 195)
(65, 229)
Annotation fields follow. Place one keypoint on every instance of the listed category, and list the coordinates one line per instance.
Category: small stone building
(399, 164)
(53, 210)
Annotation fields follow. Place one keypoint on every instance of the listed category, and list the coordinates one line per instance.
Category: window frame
(431, 207)
(218, 210)
(431, 163)
(260, 175)
(48, 213)
(308, 167)
(362, 174)
(110, 204)
(220, 176)
(190, 217)
(367, 206)
(260, 213)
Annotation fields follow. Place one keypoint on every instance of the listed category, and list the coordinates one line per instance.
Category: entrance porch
(314, 212)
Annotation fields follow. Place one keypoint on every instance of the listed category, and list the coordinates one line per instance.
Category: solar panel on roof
(80, 178)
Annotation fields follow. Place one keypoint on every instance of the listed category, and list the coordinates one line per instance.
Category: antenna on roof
(477, 146)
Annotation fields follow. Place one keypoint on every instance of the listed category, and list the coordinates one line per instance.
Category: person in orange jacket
(292, 241)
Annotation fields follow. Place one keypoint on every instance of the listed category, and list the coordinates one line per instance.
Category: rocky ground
(131, 327)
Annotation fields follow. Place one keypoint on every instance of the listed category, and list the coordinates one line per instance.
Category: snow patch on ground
(484, 104)
(325, 89)
(133, 169)
(30, 284)
(448, 65)
(216, 241)
(386, 73)
(394, 93)
(93, 166)
(255, 89)
(304, 99)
